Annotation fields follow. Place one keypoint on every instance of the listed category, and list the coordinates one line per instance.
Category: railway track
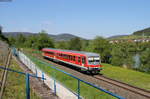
(130, 92)
(5, 72)
(126, 86)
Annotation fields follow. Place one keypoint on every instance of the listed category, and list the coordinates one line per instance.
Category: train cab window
(83, 60)
(93, 60)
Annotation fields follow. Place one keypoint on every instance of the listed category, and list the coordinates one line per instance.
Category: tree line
(128, 55)
(2, 37)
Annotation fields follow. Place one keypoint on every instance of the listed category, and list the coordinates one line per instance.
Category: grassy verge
(86, 91)
(132, 77)
(15, 85)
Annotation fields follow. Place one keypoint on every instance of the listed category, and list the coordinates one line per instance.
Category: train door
(76, 59)
(79, 60)
(83, 61)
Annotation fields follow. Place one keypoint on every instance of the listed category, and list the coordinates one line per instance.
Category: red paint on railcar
(71, 57)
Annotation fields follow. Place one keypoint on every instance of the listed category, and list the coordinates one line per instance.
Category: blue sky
(85, 18)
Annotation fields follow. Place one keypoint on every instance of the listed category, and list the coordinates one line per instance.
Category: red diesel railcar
(86, 61)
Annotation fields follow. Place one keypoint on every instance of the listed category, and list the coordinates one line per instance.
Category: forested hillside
(144, 32)
(59, 37)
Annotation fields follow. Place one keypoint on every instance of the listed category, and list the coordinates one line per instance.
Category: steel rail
(4, 75)
(123, 85)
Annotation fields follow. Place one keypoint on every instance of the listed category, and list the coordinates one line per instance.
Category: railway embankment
(15, 87)
(37, 84)
(12, 85)
(129, 94)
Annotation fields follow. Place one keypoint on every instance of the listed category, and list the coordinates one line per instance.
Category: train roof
(72, 51)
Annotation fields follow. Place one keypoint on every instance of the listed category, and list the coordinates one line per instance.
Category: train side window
(74, 58)
(64, 56)
(50, 53)
(83, 60)
(69, 57)
(79, 59)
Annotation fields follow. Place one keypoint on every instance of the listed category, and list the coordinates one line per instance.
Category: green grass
(87, 91)
(132, 77)
(16, 88)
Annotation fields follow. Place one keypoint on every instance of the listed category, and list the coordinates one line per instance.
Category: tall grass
(15, 84)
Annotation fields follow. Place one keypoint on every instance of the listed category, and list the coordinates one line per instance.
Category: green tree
(43, 40)
(85, 43)
(31, 41)
(122, 54)
(145, 63)
(101, 46)
(75, 44)
(20, 40)
(61, 45)
(2, 37)
(12, 40)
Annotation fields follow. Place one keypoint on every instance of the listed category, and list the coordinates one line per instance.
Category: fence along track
(126, 86)
(5, 72)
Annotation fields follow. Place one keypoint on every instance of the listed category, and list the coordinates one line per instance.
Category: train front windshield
(94, 60)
